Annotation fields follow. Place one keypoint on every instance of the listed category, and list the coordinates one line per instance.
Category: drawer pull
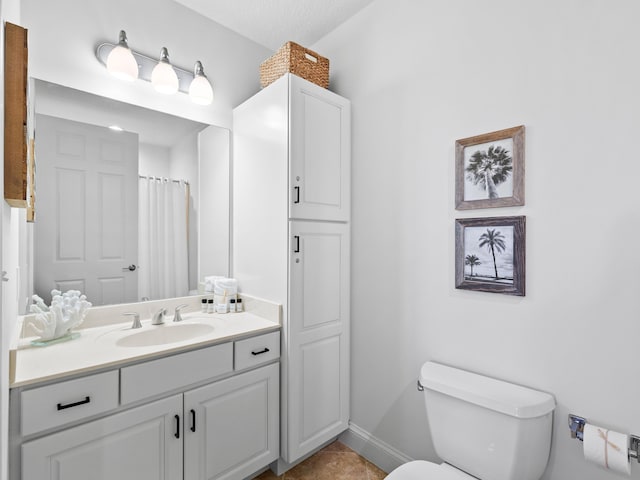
(265, 350)
(74, 404)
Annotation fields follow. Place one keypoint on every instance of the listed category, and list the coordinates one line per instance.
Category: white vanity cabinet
(218, 422)
(231, 426)
(292, 246)
(144, 443)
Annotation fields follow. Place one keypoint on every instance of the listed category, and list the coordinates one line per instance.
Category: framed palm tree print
(490, 254)
(490, 170)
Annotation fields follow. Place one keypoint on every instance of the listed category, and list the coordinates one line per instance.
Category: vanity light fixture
(121, 62)
(164, 76)
(200, 89)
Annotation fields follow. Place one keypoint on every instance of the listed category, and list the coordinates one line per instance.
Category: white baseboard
(381, 454)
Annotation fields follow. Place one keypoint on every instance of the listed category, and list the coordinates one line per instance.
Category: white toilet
(482, 428)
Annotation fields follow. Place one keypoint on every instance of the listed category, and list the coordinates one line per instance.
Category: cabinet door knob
(177, 434)
(297, 189)
(297, 249)
(193, 420)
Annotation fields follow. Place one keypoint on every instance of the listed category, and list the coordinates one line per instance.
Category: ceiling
(271, 23)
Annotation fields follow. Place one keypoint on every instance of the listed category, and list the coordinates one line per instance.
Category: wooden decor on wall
(16, 180)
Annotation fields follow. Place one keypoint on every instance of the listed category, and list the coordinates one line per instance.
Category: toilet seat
(422, 470)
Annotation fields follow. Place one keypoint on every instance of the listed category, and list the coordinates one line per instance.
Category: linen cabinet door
(320, 153)
(144, 443)
(232, 426)
(318, 360)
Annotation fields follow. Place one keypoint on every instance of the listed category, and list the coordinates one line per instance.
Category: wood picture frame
(490, 254)
(490, 170)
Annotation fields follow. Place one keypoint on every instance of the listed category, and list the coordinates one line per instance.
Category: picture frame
(490, 254)
(500, 153)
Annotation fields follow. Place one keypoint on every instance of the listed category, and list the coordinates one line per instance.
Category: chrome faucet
(136, 319)
(158, 317)
(177, 317)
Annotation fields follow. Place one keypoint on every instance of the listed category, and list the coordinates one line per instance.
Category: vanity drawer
(257, 350)
(65, 402)
(156, 377)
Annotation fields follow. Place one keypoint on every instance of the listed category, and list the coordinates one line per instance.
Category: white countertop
(97, 347)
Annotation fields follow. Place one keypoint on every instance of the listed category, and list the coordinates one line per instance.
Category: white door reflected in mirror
(87, 225)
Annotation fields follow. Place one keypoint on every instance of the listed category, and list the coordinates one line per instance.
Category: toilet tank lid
(497, 395)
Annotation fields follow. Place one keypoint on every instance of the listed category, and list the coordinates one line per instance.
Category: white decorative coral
(67, 311)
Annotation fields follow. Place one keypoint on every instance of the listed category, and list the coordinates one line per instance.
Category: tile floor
(334, 462)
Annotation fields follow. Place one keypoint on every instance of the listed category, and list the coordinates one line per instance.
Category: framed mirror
(131, 203)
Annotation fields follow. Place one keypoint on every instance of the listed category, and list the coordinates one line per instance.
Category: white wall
(422, 74)
(154, 160)
(63, 36)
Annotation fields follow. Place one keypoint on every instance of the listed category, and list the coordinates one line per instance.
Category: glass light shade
(121, 62)
(200, 89)
(163, 76)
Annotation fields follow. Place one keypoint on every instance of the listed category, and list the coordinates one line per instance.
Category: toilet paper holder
(576, 425)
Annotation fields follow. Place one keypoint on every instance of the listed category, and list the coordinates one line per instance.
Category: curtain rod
(164, 178)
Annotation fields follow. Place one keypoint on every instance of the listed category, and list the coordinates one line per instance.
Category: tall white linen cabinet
(291, 244)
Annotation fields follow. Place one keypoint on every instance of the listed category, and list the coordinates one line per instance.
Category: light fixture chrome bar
(146, 65)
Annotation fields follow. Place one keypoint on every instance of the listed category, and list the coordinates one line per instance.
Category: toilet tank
(491, 429)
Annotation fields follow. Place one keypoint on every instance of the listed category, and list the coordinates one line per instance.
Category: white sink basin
(164, 334)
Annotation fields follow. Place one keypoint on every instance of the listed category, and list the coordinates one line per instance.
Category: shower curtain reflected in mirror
(163, 238)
